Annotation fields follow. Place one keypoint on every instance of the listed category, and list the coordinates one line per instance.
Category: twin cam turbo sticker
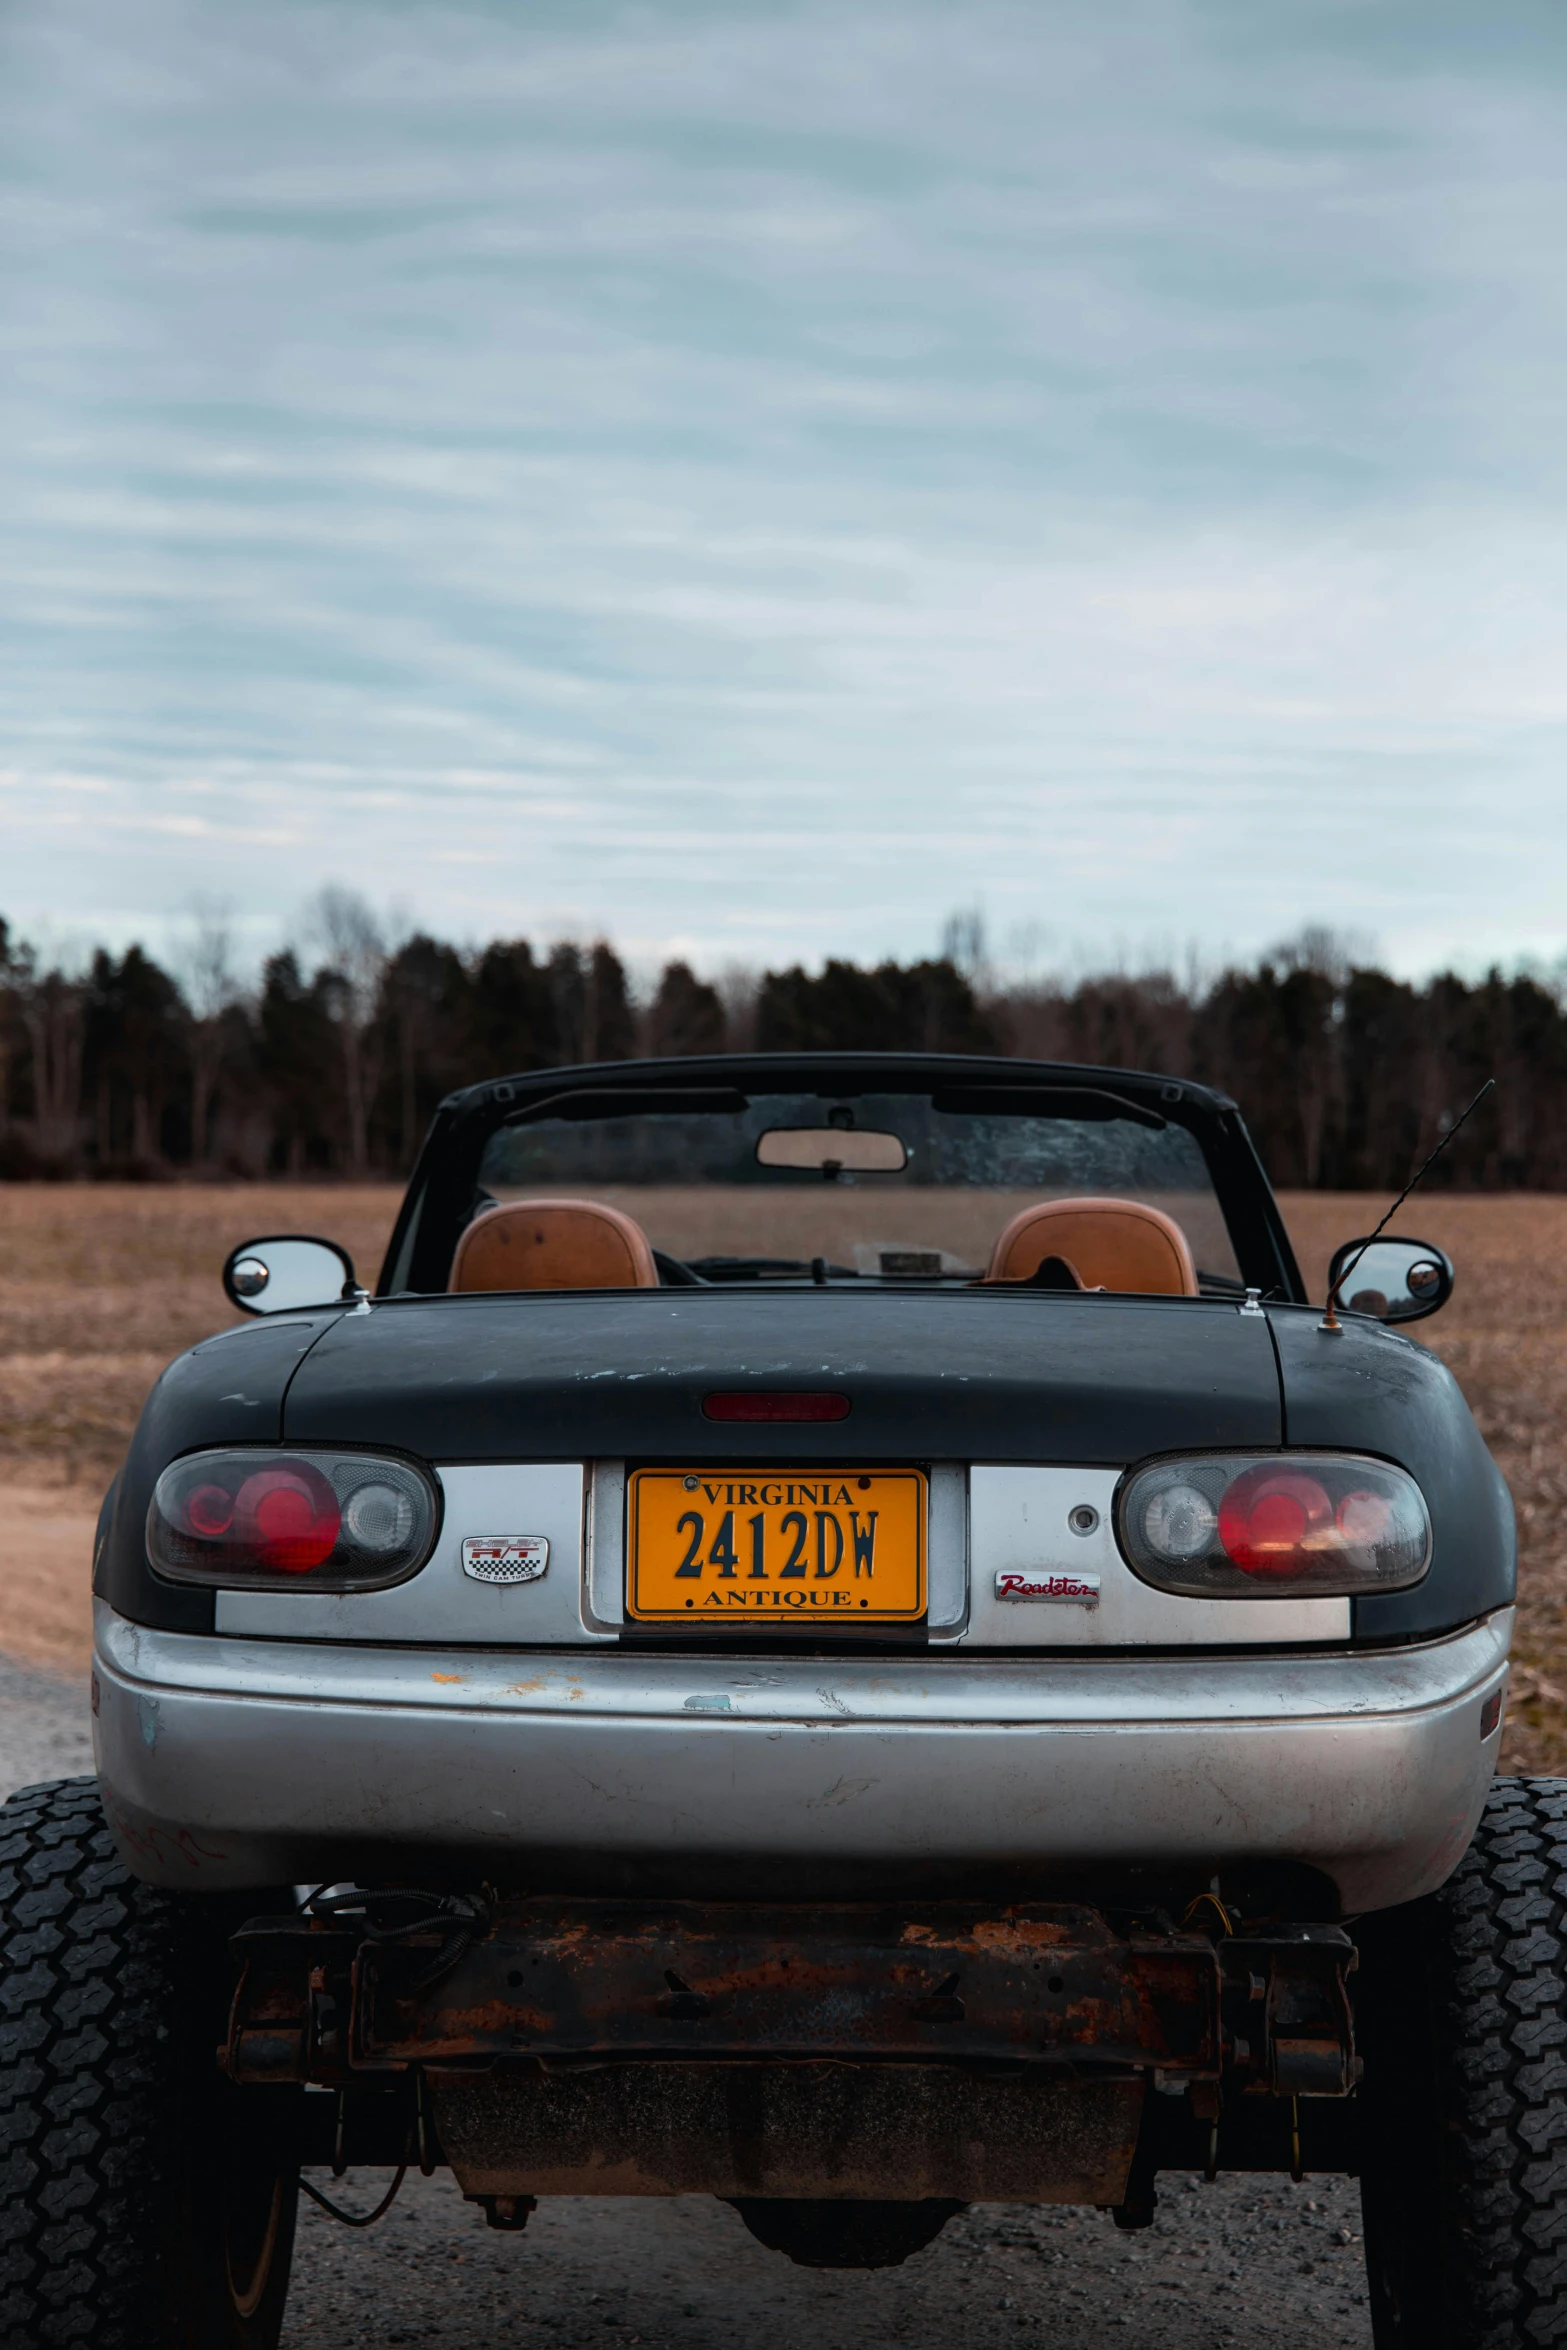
(1047, 1583)
(505, 1558)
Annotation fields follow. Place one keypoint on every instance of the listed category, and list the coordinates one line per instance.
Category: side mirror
(286, 1270)
(1392, 1280)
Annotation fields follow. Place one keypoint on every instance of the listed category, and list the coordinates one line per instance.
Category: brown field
(1504, 1337)
(101, 1284)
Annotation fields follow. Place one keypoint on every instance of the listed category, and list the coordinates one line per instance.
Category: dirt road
(1235, 2264)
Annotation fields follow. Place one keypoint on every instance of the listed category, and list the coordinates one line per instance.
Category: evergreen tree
(301, 1069)
(925, 1007)
(1346, 1074)
(136, 1062)
(512, 1023)
(593, 1016)
(686, 1015)
(425, 1020)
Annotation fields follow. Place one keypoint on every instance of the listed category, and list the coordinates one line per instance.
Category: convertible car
(839, 1632)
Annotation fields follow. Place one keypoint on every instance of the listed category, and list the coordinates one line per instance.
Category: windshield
(881, 1187)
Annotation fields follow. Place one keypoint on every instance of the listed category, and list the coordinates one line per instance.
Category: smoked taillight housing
(1273, 1525)
(326, 1521)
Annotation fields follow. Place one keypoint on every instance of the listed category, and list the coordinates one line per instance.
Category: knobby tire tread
(87, 1957)
(1485, 1977)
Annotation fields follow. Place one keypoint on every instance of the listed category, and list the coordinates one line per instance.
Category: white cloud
(759, 478)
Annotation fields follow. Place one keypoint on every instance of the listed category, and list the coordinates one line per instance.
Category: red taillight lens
(348, 1521)
(1268, 1517)
(209, 1511)
(1283, 1526)
(290, 1516)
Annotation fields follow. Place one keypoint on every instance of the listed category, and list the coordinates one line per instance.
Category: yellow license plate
(776, 1547)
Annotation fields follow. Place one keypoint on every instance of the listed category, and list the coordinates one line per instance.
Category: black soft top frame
(439, 1200)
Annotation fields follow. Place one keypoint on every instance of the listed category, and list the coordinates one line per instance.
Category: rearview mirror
(831, 1150)
(287, 1270)
(1392, 1280)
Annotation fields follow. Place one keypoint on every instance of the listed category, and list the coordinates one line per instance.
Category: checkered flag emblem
(505, 1558)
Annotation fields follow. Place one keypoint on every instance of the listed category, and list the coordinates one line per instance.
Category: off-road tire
(1462, 2011)
(144, 2203)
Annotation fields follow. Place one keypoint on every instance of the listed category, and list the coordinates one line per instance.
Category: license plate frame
(818, 1572)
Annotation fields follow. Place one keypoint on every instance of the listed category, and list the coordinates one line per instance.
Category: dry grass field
(101, 1284)
(1504, 1337)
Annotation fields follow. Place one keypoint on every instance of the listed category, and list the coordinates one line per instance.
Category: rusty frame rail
(327, 2000)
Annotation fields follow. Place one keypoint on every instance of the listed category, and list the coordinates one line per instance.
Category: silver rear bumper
(244, 1762)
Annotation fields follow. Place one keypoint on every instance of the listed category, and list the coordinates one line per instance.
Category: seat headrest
(1110, 1243)
(553, 1244)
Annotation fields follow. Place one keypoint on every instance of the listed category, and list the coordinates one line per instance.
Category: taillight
(1275, 1526)
(288, 1516)
(331, 1521)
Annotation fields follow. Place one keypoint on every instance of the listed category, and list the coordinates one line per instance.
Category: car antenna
(1330, 1320)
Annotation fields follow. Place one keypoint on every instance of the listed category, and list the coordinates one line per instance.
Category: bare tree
(204, 967)
(9, 974)
(53, 1009)
(738, 986)
(965, 945)
(1331, 954)
(343, 926)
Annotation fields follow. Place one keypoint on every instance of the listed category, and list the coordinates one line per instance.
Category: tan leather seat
(1110, 1243)
(553, 1244)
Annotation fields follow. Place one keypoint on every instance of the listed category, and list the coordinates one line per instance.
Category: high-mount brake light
(253, 1518)
(1273, 1526)
(774, 1403)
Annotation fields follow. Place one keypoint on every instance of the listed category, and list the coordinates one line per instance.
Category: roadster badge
(1047, 1583)
(505, 1558)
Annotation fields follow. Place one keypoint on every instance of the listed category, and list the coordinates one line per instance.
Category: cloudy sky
(752, 479)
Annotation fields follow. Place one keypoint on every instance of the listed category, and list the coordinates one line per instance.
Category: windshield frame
(439, 1200)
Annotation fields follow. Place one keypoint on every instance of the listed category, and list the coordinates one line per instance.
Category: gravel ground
(45, 1727)
(1241, 2263)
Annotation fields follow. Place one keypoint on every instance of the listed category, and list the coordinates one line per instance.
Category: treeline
(332, 1063)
